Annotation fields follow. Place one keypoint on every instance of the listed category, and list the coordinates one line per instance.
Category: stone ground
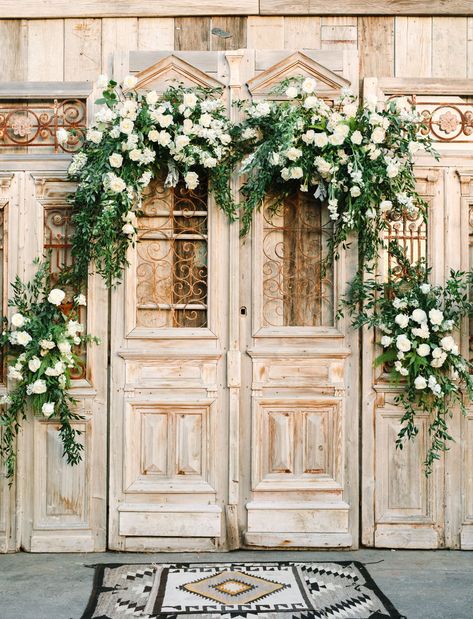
(421, 584)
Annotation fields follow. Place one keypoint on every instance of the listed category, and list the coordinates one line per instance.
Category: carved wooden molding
(170, 68)
(466, 179)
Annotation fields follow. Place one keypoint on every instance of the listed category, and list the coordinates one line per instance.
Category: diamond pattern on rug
(284, 590)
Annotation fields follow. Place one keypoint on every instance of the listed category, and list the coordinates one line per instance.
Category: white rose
(205, 120)
(225, 138)
(291, 92)
(130, 218)
(447, 343)
(47, 344)
(81, 300)
(308, 136)
(129, 81)
(419, 316)
(62, 135)
(17, 320)
(23, 338)
(399, 303)
(191, 179)
(47, 409)
(310, 102)
(423, 350)
(309, 85)
(436, 316)
(126, 126)
(404, 372)
(392, 170)
(403, 343)
(128, 229)
(135, 154)
(189, 99)
(356, 137)
(422, 332)
(181, 142)
(320, 140)
(378, 135)
(39, 386)
(386, 205)
(56, 296)
(64, 347)
(34, 364)
(102, 81)
(209, 162)
(115, 160)
(420, 382)
(355, 191)
(14, 374)
(187, 125)
(350, 110)
(425, 288)
(386, 340)
(296, 172)
(164, 120)
(151, 97)
(116, 184)
(94, 136)
(293, 154)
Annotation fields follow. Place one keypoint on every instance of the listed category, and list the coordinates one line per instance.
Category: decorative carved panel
(32, 125)
(171, 270)
(296, 290)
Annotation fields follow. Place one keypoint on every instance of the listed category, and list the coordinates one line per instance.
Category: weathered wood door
(51, 507)
(231, 378)
(401, 507)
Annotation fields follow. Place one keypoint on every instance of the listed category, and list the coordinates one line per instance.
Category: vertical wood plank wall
(79, 49)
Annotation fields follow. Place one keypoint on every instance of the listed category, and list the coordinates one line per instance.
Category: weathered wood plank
(301, 32)
(236, 26)
(117, 8)
(192, 33)
(376, 46)
(156, 33)
(266, 32)
(365, 7)
(45, 49)
(413, 45)
(340, 32)
(13, 35)
(117, 35)
(449, 46)
(82, 49)
(469, 50)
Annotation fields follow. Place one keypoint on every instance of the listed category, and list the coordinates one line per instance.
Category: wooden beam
(365, 7)
(124, 8)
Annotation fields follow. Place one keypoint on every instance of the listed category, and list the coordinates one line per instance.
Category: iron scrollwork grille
(171, 287)
(297, 291)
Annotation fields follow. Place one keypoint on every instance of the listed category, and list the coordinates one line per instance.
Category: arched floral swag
(358, 158)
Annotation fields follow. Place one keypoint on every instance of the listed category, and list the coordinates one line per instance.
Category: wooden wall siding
(147, 8)
(80, 49)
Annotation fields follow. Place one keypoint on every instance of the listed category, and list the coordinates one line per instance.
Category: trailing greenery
(42, 339)
(358, 158)
(415, 322)
(183, 133)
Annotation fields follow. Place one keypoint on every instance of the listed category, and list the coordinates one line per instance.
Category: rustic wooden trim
(365, 7)
(44, 90)
(117, 8)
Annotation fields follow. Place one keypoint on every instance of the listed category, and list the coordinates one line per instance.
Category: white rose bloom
(81, 300)
(419, 316)
(187, 125)
(205, 120)
(128, 229)
(320, 140)
(404, 372)
(296, 172)
(102, 81)
(414, 147)
(189, 99)
(34, 364)
(151, 97)
(399, 303)
(422, 332)
(386, 205)
(293, 154)
(181, 142)
(126, 126)
(116, 184)
(115, 160)
(386, 340)
(398, 366)
(56, 296)
(309, 85)
(191, 179)
(350, 109)
(291, 92)
(39, 386)
(402, 320)
(18, 320)
(403, 343)
(423, 350)
(47, 344)
(64, 347)
(356, 137)
(94, 136)
(392, 170)
(274, 158)
(225, 138)
(135, 154)
(371, 213)
(165, 120)
(337, 138)
(425, 288)
(145, 178)
(23, 338)
(400, 355)
(48, 409)
(310, 103)
(163, 138)
(378, 135)
(129, 81)
(249, 133)
(447, 343)
(62, 135)
(439, 361)
(436, 316)
(14, 374)
(322, 165)
(420, 383)
(308, 136)
(355, 191)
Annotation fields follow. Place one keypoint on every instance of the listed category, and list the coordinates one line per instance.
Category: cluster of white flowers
(48, 357)
(421, 333)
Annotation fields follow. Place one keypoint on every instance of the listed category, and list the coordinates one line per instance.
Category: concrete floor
(421, 584)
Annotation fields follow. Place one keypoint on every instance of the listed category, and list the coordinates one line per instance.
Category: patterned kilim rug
(287, 590)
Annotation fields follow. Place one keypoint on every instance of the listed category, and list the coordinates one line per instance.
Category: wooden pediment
(329, 84)
(158, 76)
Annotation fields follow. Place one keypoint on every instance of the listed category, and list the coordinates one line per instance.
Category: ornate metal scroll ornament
(36, 124)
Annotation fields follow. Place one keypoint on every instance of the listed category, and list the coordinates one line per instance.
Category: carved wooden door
(402, 508)
(231, 376)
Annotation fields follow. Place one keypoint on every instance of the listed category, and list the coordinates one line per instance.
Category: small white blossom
(48, 409)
